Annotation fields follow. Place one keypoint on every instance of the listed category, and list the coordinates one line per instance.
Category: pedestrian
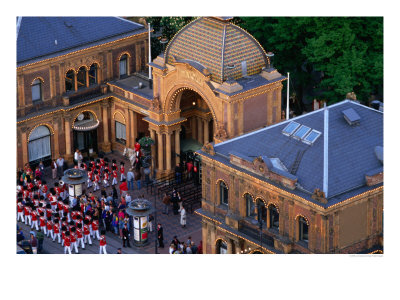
(95, 228)
(20, 235)
(160, 235)
(151, 218)
(176, 242)
(183, 217)
(188, 249)
(114, 175)
(34, 243)
(103, 243)
(119, 251)
(166, 201)
(123, 188)
(125, 233)
(74, 239)
(178, 174)
(76, 156)
(194, 248)
(60, 166)
(114, 193)
(41, 168)
(171, 249)
(20, 210)
(122, 171)
(130, 177)
(53, 169)
(114, 223)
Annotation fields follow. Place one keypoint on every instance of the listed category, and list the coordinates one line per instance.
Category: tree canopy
(327, 57)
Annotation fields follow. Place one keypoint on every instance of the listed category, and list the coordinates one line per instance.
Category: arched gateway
(213, 82)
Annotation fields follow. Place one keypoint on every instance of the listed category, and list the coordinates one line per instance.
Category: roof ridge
(223, 53)
(19, 20)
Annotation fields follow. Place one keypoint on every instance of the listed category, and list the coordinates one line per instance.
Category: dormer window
(36, 90)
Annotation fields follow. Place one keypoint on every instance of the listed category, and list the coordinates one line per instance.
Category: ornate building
(80, 84)
(312, 184)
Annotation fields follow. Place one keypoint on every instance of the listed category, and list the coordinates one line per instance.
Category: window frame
(72, 81)
(120, 140)
(223, 190)
(272, 208)
(94, 77)
(250, 200)
(125, 58)
(37, 83)
(301, 223)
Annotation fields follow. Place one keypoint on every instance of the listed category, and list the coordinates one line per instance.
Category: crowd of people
(188, 247)
(75, 223)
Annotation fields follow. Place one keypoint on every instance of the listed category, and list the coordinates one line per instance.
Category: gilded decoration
(209, 149)
(156, 105)
(221, 132)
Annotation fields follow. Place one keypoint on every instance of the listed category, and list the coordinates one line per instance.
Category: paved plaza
(170, 223)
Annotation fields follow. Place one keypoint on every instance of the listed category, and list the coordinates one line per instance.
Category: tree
(326, 57)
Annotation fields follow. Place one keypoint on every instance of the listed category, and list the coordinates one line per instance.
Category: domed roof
(218, 45)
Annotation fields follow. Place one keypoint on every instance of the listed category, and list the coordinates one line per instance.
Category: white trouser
(87, 238)
(35, 224)
(34, 250)
(114, 181)
(43, 228)
(67, 248)
(50, 233)
(96, 234)
(103, 249)
(28, 220)
(75, 245)
(82, 243)
(57, 235)
(96, 186)
(89, 183)
(68, 217)
(122, 177)
(20, 215)
(105, 183)
(151, 226)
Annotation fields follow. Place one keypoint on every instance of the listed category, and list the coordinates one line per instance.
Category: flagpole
(149, 52)
(287, 97)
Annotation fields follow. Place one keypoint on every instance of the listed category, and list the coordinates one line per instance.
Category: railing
(254, 232)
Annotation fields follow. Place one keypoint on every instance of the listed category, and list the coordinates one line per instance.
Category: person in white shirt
(60, 166)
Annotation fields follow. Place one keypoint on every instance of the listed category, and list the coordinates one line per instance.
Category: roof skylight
(301, 132)
(289, 129)
(312, 137)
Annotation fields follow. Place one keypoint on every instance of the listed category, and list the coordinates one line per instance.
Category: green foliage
(348, 50)
(165, 27)
(146, 142)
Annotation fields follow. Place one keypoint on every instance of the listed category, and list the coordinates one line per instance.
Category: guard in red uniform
(95, 228)
(114, 175)
(122, 171)
(103, 243)
(49, 211)
(66, 210)
(86, 232)
(74, 243)
(79, 234)
(27, 214)
(137, 148)
(34, 216)
(49, 227)
(42, 221)
(90, 178)
(96, 180)
(106, 178)
(20, 210)
(67, 243)
(56, 230)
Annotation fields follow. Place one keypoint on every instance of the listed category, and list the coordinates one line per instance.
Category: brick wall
(28, 79)
(255, 112)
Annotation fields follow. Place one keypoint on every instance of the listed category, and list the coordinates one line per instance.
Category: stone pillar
(268, 218)
(112, 121)
(204, 235)
(240, 117)
(56, 143)
(269, 107)
(193, 126)
(106, 143)
(212, 229)
(177, 145)
(292, 221)
(87, 77)
(168, 151)
(229, 246)
(67, 125)
(153, 149)
(21, 94)
(206, 133)
(75, 82)
(324, 235)
(24, 142)
(199, 130)
(160, 151)
(133, 127)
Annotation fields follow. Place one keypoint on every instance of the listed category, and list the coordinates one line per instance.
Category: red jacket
(79, 233)
(42, 221)
(67, 241)
(103, 240)
(56, 228)
(86, 230)
(123, 186)
(49, 225)
(95, 225)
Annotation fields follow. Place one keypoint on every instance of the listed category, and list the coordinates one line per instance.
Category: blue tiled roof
(351, 153)
(37, 36)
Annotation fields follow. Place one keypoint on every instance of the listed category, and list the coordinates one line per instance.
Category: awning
(87, 126)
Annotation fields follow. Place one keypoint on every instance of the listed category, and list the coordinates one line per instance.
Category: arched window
(222, 247)
(261, 210)
(123, 66)
(303, 229)
(70, 81)
(273, 217)
(120, 128)
(250, 206)
(39, 144)
(223, 193)
(81, 78)
(93, 74)
(36, 90)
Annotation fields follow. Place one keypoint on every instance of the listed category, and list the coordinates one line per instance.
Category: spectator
(188, 249)
(53, 169)
(189, 167)
(119, 251)
(41, 168)
(40, 239)
(138, 176)
(20, 236)
(123, 187)
(130, 177)
(200, 248)
(34, 243)
(166, 201)
(194, 248)
(125, 236)
(183, 217)
(114, 223)
(60, 166)
(151, 218)
(114, 194)
(160, 235)
(171, 249)
(178, 174)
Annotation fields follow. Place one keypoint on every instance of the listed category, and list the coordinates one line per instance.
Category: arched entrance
(85, 133)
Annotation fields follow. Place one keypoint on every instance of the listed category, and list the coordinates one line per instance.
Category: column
(324, 234)
(153, 149)
(56, 143)
(168, 150)
(199, 130)
(160, 151)
(133, 127)
(229, 246)
(193, 126)
(75, 82)
(67, 137)
(211, 228)
(112, 121)
(24, 142)
(206, 133)
(204, 235)
(87, 77)
(177, 145)
(268, 218)
(269, 107)
(105, 123)
(21, 94)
